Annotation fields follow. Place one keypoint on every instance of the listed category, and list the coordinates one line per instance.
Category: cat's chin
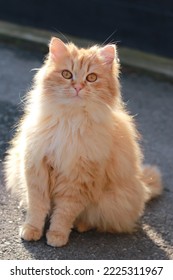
(73, 100)
(77, 97)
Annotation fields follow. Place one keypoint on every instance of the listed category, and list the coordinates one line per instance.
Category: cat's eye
(92, 77)
(67, 74)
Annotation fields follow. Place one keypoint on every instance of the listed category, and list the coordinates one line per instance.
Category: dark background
(139, 24)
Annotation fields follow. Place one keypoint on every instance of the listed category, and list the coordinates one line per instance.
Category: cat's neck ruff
(94, 112)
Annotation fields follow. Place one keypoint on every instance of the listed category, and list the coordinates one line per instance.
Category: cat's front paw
(56, 238)
(30, 233)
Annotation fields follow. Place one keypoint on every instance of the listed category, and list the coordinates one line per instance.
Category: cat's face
(82, 75)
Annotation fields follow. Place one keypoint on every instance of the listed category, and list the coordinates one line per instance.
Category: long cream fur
(75, 156)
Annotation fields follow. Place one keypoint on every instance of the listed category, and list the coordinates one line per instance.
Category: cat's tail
(152, 178)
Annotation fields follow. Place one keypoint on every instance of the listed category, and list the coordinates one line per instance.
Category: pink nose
(78, 87)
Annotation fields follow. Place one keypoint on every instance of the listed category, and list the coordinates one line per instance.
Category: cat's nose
(78, 87)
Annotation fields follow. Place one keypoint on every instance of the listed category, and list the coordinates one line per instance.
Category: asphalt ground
(151, 101)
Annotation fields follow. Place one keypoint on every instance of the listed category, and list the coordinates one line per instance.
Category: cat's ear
(57, 48)
(108, 53)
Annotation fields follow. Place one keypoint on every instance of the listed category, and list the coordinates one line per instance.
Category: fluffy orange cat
(76, 155)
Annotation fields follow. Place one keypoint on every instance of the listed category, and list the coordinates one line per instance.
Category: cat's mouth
(76, 95)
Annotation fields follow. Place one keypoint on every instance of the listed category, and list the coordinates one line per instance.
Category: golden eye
(67, 74)
(91, 77)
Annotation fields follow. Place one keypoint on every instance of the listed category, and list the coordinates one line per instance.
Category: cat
(76, 155)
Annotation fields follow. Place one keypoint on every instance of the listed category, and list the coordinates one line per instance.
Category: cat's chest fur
(77, 138)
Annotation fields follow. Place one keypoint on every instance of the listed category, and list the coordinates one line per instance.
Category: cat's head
(78, 76)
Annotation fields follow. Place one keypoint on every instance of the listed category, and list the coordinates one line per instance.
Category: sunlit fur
(77, 159)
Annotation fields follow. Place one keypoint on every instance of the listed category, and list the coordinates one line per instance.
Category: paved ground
(151, 101)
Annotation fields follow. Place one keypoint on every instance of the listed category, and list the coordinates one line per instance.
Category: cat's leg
(38, 202)
(66, 209)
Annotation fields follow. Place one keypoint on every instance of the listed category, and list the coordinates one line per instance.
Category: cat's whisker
(62, 35)
(34, 69)
(22, 99)
(109, 37)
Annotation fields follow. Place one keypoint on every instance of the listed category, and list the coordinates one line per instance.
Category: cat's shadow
(96, 246)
